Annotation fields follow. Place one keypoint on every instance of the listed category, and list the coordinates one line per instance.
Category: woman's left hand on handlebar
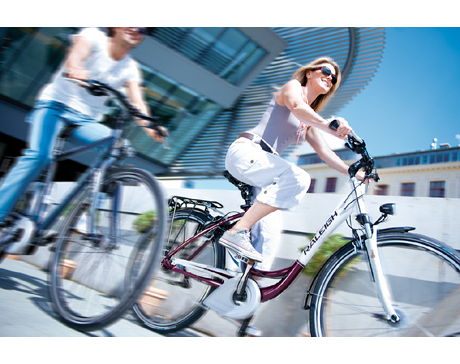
(361, 175)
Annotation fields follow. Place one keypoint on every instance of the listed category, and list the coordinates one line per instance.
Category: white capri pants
(276, 182)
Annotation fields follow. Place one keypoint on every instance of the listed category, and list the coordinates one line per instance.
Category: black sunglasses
(143, 31)
(327, 72)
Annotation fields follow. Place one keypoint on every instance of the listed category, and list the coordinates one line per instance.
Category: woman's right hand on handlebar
(343, 129)
(155, 135)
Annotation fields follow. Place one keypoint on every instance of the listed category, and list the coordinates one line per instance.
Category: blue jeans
(47, 120)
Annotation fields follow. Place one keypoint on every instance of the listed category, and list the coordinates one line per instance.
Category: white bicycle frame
(340, 214)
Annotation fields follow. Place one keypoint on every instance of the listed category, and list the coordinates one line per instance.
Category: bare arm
(317, 142)
(136, 97)
(78, 52)
(290, 96)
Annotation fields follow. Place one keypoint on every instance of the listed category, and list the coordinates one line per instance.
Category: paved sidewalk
(25, 308)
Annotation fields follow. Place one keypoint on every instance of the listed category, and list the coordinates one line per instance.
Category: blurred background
(209, 84)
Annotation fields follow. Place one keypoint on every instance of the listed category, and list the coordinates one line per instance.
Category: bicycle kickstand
(244, 326)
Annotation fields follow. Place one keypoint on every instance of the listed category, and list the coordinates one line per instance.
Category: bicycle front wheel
(111, 266)
(424, 279)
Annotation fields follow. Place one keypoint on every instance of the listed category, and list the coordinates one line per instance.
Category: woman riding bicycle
(95, 55)
(254, 158)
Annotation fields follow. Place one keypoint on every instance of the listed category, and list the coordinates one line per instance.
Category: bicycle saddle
(236, 182)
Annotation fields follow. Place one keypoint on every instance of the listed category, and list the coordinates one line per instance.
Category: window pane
(231, 42)
(407, 189)
(381, 190)
(330, 184)
(28, 58)
(311, 189)
(243, 62)
(437, 189)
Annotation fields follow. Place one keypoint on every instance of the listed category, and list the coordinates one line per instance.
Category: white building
(432, 173)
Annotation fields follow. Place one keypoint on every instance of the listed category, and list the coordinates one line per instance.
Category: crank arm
(203, 268)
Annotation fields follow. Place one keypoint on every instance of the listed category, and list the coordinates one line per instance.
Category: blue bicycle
(110, 226)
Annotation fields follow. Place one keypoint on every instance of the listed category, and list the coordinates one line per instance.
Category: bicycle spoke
(113, 264)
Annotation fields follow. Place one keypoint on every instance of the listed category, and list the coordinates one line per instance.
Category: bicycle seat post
(245, 189)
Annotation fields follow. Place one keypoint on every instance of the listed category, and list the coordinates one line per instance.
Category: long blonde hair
(301, 75)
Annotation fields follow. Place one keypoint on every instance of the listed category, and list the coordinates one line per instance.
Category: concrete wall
(436, 217)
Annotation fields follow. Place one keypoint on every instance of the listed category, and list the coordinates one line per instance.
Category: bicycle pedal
(245, 260)
(252, 331)
(20, 235)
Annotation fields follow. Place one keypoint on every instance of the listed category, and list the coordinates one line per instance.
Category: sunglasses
(327, 72)
(142, 31)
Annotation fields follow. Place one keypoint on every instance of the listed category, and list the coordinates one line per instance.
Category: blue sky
(413, 97)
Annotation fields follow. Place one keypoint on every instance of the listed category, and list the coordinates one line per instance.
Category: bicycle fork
(375, 266)
(373, 256)
(380, 280)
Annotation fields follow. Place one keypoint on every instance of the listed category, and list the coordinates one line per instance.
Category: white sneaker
(241, 243)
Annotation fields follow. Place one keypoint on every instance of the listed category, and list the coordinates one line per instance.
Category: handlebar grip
(334, 124)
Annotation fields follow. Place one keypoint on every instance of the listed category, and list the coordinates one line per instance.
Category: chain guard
(222, 299)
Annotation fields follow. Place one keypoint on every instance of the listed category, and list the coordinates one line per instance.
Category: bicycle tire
(424, 279)
(105, 284)
(182, 297)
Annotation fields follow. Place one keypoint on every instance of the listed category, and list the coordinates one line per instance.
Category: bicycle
(92, 226)
(413, 287)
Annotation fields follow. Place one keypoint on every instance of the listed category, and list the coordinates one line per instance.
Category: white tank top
(278, 127)
(101, 67)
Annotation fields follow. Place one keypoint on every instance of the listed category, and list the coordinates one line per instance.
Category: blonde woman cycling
(254, 158)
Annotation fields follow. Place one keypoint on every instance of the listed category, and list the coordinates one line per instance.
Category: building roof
(358, 52)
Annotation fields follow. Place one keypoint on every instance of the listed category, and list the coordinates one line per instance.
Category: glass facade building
(226, 52)
(206, 85)
(29, 56)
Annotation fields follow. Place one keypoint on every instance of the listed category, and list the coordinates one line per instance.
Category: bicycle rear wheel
(424, 278)
(112, 267)
(182, 297)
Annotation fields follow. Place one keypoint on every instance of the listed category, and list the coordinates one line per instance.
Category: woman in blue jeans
(93, 55)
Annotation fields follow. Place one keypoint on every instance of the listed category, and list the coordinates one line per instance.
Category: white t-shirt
(101, 67)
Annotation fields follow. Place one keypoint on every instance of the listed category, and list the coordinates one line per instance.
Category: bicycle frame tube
(83, 149)
(168, 260)
(340, 214)
(50, 218)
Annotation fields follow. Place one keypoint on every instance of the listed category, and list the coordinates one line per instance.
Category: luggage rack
(179, 202)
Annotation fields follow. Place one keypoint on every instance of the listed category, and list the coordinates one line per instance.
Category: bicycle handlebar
(357, 145)
(97, 88)
(334, 124)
